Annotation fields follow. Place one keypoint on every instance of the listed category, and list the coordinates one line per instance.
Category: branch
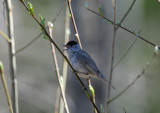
(31, 42)
(40, 34)
(124, 28)
(58, 96)
(129, 9)
(74, 23)
(50, 26)
(13, 70)
(5, 36)
(134, 81)
(112, 53)
(123, 56)
(65, 65)
(124, 110)
(6, 87)
(50, 39)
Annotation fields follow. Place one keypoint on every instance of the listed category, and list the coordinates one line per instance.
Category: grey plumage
(82, 62)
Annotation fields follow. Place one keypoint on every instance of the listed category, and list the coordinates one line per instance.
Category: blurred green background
(37, 80)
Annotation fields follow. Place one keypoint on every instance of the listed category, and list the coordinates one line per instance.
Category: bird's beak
(66, 47)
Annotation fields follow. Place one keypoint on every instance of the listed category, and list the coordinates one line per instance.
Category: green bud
(100, 10)
(86, 4)
(42, 20)
(1, 67)
(91, 90)
(30, 8)
(156, 48)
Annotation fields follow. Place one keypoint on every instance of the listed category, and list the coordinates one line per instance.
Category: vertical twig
(50, 25)
(12, 56)
(65, 64)
(125, 15)
(74, 23)
(58, 96)
(112, 54)
(6, 87)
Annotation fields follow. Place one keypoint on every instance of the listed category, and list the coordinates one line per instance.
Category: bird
(82, 63)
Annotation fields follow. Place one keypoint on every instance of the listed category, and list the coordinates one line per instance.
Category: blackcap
(82, 62)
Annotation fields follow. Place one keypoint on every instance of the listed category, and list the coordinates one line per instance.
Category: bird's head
(72, 46)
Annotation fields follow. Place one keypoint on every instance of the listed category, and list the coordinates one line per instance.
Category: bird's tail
(101, 77)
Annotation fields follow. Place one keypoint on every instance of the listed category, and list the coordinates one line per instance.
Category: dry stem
(6, 87)
(12, 57)
(57, 71)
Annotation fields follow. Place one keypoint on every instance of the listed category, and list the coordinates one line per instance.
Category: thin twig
(125, 15)
(74, 23)
(124, 28)
(40, 34)
(50, 39)
(112, 54)
(65, 64)
(123, 56)
(5, 36)
(58, 96)
(50, 26)
(31, 42)
(124, 110)
(13, 70)
(5, 87)
(133, 82)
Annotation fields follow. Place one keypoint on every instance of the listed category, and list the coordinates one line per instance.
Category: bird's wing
(84, 59)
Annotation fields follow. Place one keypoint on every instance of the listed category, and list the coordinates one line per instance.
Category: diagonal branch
(5, 87)
(125, 15)
(123, 56)
(5, 36)
(134, 81)
(40, 34)
(124, 28)
(50, 39)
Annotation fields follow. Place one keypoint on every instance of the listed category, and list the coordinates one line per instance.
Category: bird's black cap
(71, 43)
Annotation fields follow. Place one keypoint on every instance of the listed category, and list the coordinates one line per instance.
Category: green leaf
(42, 20)
(86, 4)
(91, 90)
(100, 10)
(45, 37)
(30, 8)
